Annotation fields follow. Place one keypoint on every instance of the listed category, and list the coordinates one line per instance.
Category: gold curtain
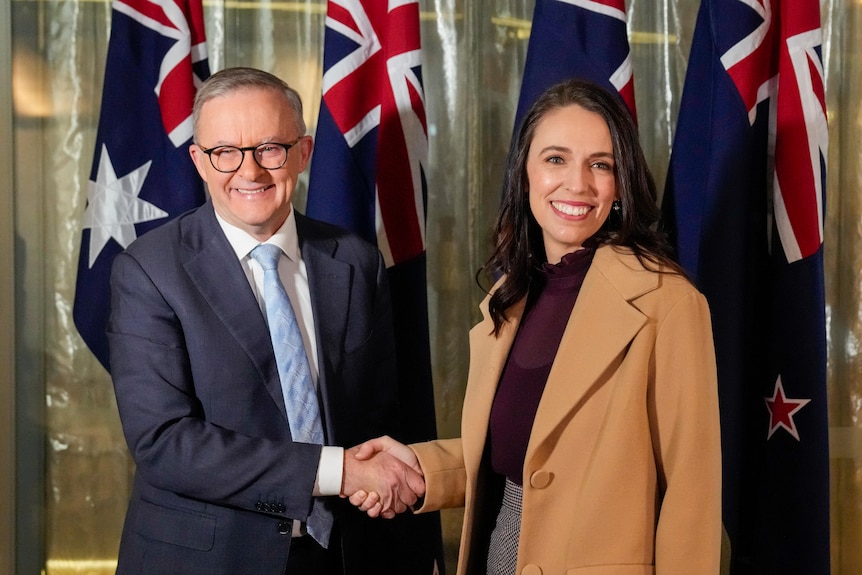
(73, 465)
(842, 28)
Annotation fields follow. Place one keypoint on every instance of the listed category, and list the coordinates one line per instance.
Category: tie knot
(267, 256)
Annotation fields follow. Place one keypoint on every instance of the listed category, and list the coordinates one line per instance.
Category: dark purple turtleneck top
(553, 292)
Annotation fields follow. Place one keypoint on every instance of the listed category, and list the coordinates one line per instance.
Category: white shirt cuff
(330, 470)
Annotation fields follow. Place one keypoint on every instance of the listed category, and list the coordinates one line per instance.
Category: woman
(590, 434)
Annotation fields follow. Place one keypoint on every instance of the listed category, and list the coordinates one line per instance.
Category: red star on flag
(781, 410)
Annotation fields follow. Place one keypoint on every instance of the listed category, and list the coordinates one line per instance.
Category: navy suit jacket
(218, 478)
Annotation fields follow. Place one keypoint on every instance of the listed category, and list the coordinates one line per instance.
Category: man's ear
(200, 159)
(305, 145)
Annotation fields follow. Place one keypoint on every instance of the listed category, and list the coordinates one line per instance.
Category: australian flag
(745, 202)
(368, 175)
(585, 39)
(142, 174)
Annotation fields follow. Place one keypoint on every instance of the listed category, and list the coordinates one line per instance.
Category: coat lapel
(329, 283)
(217, 274)
(488, 356)
(602, 324)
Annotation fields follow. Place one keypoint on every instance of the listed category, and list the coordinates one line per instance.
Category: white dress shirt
(291, 270)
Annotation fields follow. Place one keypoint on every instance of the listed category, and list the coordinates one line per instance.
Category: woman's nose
(577, 179)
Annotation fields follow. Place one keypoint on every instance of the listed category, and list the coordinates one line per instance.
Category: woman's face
(570, 168)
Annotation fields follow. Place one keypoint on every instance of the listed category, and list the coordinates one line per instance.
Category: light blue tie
(300, 396)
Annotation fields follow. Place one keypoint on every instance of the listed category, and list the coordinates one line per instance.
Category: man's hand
(380, 482)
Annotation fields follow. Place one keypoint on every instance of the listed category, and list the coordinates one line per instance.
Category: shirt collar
(284, 237)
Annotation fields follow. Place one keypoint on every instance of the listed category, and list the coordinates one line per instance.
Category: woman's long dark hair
(517, 237)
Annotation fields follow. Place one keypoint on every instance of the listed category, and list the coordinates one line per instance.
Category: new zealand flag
(585, 39)
(745, 202)
(368, 175)
(142, 174)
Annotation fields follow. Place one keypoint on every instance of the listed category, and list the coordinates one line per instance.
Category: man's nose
(249, 168)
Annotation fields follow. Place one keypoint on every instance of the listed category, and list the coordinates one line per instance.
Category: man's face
(252, 198)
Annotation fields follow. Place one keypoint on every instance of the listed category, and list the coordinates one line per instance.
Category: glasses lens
(226, 158)
(270, 156)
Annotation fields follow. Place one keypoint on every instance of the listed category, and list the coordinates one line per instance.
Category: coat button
(531, 570)
(285, 527)
(541, 479)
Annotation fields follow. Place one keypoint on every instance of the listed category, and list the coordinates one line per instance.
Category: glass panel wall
(72, 467)
(7, 306)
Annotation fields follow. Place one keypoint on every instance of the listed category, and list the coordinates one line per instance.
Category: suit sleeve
(684, 416)
(178, 427)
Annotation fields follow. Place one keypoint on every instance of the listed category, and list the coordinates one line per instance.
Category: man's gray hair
(237, 79)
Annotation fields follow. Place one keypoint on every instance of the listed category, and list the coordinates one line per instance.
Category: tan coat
(623, 469)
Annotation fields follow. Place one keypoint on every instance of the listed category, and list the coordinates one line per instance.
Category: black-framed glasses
(269, 156)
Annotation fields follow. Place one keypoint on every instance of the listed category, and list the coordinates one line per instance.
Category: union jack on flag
(142, 174)
(793, 85)
(745, 203)
(585, 39)
(368, 175)
(372, 93)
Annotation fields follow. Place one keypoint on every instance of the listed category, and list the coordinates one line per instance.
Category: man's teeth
(571, 210)
(250, 192)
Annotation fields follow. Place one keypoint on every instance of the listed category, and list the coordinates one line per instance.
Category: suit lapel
(217, 274)
(329, 283)
(602, 324)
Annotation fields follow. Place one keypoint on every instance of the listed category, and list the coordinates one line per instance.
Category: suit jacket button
(285, 527)
(531, 570)
(541, 479)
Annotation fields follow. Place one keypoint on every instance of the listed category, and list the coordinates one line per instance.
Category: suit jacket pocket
(175, 526)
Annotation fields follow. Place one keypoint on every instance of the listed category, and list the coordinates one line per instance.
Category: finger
(416, 483)
(388, 494)
(358, 498)
(406, 498)
(369, 448)
(388, 514)
(364, 451)
(375, 511)
(371, 501)
(398, 507)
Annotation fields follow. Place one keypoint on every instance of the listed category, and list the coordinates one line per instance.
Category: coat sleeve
(684, 414)
(442, 463)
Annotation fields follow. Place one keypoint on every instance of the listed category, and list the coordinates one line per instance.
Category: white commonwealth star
(113, 206)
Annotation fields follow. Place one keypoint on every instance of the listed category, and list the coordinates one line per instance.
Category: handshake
(382, 477)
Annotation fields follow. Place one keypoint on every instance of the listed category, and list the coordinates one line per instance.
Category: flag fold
(142, 174)
(744, 203)
(368, 176)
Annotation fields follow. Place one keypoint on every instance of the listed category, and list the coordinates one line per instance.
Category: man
(221, 485)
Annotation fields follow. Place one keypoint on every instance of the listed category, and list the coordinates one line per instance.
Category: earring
(617, 206)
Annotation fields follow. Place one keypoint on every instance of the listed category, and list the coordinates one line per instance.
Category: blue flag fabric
(142, 173)
(585, 39)
(744, 203)
(368, 175)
